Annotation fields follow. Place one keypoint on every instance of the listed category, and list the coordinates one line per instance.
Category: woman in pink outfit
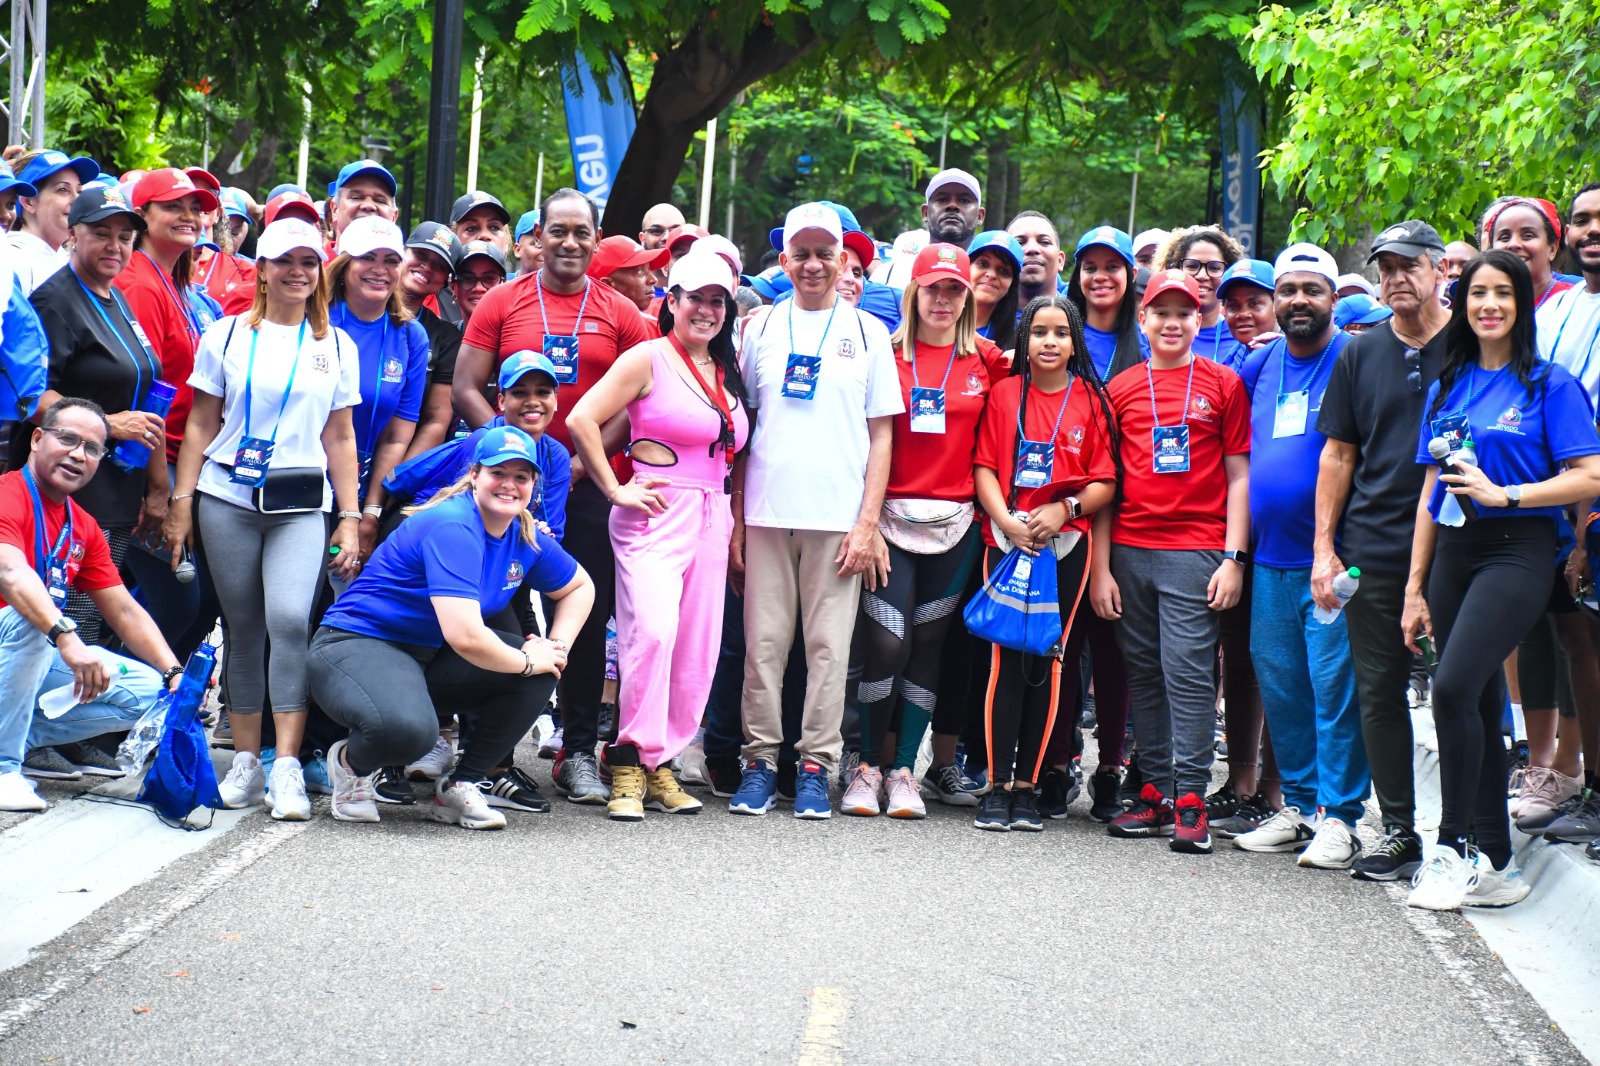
(670, 525)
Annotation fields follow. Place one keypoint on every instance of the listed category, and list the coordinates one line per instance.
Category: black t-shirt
(1369, 404)
(89, 361)
(444, 344)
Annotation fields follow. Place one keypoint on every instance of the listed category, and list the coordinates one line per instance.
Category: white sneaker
(692, 766)
(1333, 847)
(286, 790)
(246, 783)
(1444, 880)
(1285, 831)
(17, 794)
(353, 799)
(436, 763)
(550, 746)
(460, 803)
(861, 797)
(1497, 888)
(905, 795)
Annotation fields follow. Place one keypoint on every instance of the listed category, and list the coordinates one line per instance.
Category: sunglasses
(93, 450)
(1414, 370)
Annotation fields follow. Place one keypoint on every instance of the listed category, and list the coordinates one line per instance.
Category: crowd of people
(419, 477)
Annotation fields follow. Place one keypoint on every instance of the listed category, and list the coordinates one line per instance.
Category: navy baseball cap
(520, 364)
(475, 199)
(49, 161)
(97, 202)
(482, 249)
(439, 239)
(526, 224)
(1359, 310)
(1246, 271)
(369, 167)
(1000, 241)
(503, 444)
(1106, 237)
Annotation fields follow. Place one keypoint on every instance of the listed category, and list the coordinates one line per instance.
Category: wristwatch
(1074, 508)
(63, 626)
(1242, 558)
(1513, 497)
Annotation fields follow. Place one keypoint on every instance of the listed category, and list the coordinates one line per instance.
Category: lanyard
(1472, 376)
(1022, 414)
(191, 326)
(538, 287)
(1283, 362)
(138, 368)
(821, 340)
(1188, 392)
(250, 372)
(1540, 301)
(714, 394)
(947, 367)
(1216, 339)
(377, 387)
(41, 561)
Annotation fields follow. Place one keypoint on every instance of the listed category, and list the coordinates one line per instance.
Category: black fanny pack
(293, 490)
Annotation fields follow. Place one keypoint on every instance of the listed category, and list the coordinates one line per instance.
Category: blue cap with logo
(526, 224)
(771, 283)
(503, 444)
(367, 167)
(49, 161)
(1255, 272)
(1359, 310)
(520, 364)
(235, 204)
(997, 240)
(1106, 237)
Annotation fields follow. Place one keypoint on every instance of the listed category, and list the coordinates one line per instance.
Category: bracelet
(373, 509)
(349, 514)
(527, 669)
(169, 673)
(180, 496)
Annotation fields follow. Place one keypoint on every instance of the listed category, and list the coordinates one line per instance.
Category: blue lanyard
(249, 375)
(824, 338)
(1216, 339)
(138, 369)
(1472, 376)
(377, 387)
(191, 325)
(914, 385)
(1022, 416)
(1283, 362)
(41, 561)
(538, 287)
(1188, 392)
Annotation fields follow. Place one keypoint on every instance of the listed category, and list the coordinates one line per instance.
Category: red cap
(204, 178)
(687, 232)
(1165, 281)
(131, 177)
(864, 247)
(168, 184)
(296, 203)
(942, 262)
(620, 253)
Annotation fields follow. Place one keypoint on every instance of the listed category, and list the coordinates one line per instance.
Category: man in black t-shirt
(432, 252)
(1368, 485)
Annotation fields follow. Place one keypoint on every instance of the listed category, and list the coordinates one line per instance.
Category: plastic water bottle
(58, 701)
(1344, 586)
(143, 738)
(134, 454)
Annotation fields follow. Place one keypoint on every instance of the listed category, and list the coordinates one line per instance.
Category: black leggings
(1024, 694)
(588, 540)
(1489, 583)
(902, 628)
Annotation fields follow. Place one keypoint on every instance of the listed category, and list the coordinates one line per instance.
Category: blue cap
(354, 170)
(771, 283)
(287, 186)
(49, 161)
(998, 240)
(1255, 272)
(504, 443)
(526, 224)
(1359, 310)
(9, 182)
(1106, 237)
(527, 361)
(847, 222)
(234, 204)
(108, 181)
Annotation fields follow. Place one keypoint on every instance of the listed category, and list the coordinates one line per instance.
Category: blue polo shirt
(439, 467)
(394, 373)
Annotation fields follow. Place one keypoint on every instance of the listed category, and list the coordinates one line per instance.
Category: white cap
(1149, 238)
(720, 245)
(1348, 280)
(698, 269)
(812, 216)
(371, 233)
(1309, 257)
(954, 176)
(287, 234)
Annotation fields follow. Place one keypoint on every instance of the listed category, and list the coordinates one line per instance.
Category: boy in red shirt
(1175, 556)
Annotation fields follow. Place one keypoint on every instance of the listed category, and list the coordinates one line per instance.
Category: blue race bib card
(562, 351)
(927, 410)
(251, 461)
(1035, 458)
(800, 376)
(1170, 445)
(1290, 418)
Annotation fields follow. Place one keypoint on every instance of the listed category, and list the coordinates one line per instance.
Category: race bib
(800, 376)
(1034, 461)
(562, 351)
(251, 461)
(927, 410)
(1290, 419)
(1171, 447)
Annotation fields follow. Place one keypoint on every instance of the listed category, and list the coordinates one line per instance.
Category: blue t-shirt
(1103, 348)
(423, 475)
(444, 551)
(1216, 342)
(394, 372)
(1283, 470)
(206, 310)
(1519, 438)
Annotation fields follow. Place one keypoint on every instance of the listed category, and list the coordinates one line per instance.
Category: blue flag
(599, 131)
(1241, 176)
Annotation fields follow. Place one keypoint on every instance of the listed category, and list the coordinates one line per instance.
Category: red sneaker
(1150, 816)
(1193, 831)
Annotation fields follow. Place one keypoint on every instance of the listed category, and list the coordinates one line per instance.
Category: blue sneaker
(315, 772)
(811, 793)
(758, 787)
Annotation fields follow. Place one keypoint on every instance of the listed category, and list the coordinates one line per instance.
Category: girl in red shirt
(1047, 460)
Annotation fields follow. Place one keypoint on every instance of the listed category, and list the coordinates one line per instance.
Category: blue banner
(1241, 175)
(599, 131)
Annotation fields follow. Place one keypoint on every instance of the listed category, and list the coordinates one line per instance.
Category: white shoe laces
(1284, 819)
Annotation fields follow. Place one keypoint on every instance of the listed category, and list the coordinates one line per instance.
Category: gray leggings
(265, 569)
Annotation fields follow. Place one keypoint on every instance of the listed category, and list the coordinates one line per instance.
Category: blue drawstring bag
(1018, 606)
(182, 777)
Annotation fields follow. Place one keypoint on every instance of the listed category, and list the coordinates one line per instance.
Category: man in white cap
(953, 211)
(1145, 245)
(1355, 285)
(824, 378)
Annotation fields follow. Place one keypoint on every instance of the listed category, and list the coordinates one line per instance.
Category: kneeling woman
(411, 630)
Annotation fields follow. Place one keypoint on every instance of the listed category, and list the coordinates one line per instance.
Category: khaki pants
(789, 570)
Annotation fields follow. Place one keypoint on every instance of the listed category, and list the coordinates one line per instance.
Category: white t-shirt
(808, 458)
(328, 379)
(33, 260)
(1567, 331)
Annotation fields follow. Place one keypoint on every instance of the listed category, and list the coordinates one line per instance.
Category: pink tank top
(677, 416)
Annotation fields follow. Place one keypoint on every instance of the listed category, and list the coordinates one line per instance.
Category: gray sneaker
(91, 761)
(578, 779)
(1581, 825)
(47, 764)
(222, 732)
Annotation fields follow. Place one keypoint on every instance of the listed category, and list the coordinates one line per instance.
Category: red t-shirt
(1083, 443)
(173, 333)
(508, 320)
(994, 359)
(938, 466)
(229, 280)
(88, 556)
(1187, 511)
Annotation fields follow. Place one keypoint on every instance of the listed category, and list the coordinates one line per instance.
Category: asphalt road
(717, 939)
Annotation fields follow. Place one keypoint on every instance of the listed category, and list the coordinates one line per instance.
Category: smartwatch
(1513, 497)
(1242, 558)
(63, 626)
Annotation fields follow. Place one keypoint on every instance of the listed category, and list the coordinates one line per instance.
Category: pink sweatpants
(671, 574)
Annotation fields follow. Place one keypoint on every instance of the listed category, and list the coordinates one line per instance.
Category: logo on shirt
(1202, 407)
(591, 327)
(319, 363)
(974, 384)
(75, 552)
(1510, 421)
(847, 348)
(393, 369)
(514, 573)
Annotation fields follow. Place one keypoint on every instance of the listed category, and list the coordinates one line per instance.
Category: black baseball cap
(97, 202)
(440, 240)
(474, 200)
(1410, 238)
(473, 249)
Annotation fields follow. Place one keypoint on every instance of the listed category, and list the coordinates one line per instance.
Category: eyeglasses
(1414, 370)
(1193, 267)
(93, 450)
(478, 281)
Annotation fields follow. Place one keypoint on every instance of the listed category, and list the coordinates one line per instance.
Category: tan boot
(665, 794)
(627, 794)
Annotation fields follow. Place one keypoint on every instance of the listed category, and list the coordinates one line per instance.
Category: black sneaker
(1025, 817)
(724, 772)
(1593, 851)
(1223, 803)
(1246, 818)
(1091, 716)
(994, 812)
(1580, 826)
(1053, 788)
(91, 760)
(1104, 801)
(786, 778)
(390, 785)
(1132, 783)
(1398, 855)
(514, 790)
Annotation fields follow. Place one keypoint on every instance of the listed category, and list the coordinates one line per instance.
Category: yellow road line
(822, 1044)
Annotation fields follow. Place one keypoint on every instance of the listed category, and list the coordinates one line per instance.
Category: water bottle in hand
(1344, 586)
